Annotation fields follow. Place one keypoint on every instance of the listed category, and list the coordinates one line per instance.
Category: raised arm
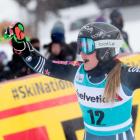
(65, 70)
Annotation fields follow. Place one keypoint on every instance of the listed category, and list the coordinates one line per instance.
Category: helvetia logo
(97, 99)
(85, 97)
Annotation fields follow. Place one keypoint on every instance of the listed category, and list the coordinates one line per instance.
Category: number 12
(100, 115)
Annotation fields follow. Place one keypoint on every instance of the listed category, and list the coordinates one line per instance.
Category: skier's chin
(88, 66)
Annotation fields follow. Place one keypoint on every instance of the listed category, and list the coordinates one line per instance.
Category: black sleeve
(64, 70)
(130, 77)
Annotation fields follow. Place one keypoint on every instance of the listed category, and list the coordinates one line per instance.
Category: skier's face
(88, 53)
(90, 60)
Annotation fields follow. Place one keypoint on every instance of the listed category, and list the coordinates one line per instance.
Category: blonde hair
(113, 83)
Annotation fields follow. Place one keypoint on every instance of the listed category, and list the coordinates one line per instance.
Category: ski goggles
(86, 45)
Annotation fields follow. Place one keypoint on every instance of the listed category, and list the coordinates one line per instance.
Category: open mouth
(86, 60)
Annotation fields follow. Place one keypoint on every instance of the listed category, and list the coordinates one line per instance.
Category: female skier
(104, 84)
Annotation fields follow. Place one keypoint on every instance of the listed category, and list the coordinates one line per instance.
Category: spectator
(15, 68)
(2, 57)
(58, 32)
(101, 18)
(3, 61)
(73, 50)
(36, 43)
(58, 49)
(117, 20)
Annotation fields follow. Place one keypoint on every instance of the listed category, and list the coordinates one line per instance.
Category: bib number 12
(99, 114)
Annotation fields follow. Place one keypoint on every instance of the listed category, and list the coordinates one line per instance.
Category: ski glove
(17, 36)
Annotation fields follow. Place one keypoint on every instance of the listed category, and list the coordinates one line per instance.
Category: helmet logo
(106, 53)
(108, 44)
(99, 34)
